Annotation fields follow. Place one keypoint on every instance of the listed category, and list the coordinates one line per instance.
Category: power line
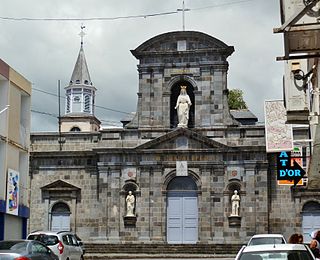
(7, 18)
(97, 106)
(219, 5)
(116, 123)
(88, 19)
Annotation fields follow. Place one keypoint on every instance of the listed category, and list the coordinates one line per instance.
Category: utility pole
(59, 119)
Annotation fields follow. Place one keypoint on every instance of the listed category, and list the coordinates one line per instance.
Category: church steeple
(80, 97)
(80, 92)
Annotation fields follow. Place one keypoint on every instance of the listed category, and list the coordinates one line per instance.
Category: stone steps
(157, 249)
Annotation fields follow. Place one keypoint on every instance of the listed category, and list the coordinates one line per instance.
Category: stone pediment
(195, 41)
(60, 185)
(183, 138)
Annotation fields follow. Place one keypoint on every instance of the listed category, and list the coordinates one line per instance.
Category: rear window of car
(49, 240)
(266, 240)
(281, 255)
(19, 246)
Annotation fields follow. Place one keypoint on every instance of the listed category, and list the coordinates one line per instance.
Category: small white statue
(235, 204)
(130, 204)
(183, 106)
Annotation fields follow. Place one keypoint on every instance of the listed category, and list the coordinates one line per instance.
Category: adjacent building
(15, 98)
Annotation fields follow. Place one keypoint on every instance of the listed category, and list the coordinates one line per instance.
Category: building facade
(15, 98)
(182, 178)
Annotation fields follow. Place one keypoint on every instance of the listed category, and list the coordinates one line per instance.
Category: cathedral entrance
(175, 92)
(60, 217)
(182, 211)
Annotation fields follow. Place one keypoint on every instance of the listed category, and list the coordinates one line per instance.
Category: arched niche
(175, 92)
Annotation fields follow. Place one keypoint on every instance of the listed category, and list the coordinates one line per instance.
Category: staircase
(125, 251)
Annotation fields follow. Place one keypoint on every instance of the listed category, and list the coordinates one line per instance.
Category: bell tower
(182, 58)
(80, 98)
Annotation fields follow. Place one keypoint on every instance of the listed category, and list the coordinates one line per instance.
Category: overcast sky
(46, 51)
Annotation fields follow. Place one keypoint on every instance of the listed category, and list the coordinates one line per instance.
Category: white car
(263, 239)
(275, 252)
(62, 243)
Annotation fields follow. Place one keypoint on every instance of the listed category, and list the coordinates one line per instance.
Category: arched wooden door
(60, 217)
(182, 211)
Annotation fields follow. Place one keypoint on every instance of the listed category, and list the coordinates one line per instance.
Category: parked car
(275, 252)
(63, 243)
(25, 250)
(262, 239)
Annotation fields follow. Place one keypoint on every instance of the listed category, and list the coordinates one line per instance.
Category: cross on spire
(183, 10)
(82, 34)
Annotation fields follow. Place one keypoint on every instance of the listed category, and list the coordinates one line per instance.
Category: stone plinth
(234, 221)
(130, 221)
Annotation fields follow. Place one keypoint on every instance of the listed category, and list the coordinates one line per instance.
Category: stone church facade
(182, 179)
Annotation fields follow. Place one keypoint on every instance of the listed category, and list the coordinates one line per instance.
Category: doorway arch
(310, 219)
(182, 211)
(60, 217)
(175, 92)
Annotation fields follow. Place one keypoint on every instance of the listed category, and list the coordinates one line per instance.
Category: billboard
(279, 136)
(12, 192)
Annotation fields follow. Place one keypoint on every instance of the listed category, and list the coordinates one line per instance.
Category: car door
(75, 248)
(39, 251)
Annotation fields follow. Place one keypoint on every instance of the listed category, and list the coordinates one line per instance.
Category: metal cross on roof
(183, 10)
(82, 34)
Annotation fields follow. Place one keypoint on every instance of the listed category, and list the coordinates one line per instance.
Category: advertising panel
(279, 136)
(12, 192)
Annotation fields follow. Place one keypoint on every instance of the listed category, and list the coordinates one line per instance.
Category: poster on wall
(279, 135)
(12, 192)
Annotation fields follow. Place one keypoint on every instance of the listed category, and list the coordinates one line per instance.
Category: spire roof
(80, 74)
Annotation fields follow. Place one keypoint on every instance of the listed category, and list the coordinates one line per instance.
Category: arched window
(87, 103)
(68, 104)
(183, 183)
(75, 129)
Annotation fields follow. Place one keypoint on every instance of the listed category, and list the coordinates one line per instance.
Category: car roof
(267, 235)
(50, 232)
(274, 247)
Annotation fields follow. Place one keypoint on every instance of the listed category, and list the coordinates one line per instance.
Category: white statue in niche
(183, 106)
(235, 204)
(130, 204)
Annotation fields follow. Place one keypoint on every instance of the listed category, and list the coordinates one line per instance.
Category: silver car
(262, 239)
(25, 249)
(275, 252)
(63, 243)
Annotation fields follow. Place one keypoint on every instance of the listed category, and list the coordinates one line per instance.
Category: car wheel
(82, 258)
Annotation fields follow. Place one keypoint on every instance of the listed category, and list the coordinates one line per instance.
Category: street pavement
(157, 257)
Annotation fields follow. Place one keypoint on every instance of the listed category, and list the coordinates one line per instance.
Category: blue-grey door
(182, 219)
(182, 213)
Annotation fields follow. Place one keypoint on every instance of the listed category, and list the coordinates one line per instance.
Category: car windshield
(266, 240)
(279, 255)
(18, 246)
(49, 240)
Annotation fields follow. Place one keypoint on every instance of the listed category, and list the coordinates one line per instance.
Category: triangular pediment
(183, 138)
(60, 185)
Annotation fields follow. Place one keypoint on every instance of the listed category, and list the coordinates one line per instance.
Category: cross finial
(183, 11)
(82, 34)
